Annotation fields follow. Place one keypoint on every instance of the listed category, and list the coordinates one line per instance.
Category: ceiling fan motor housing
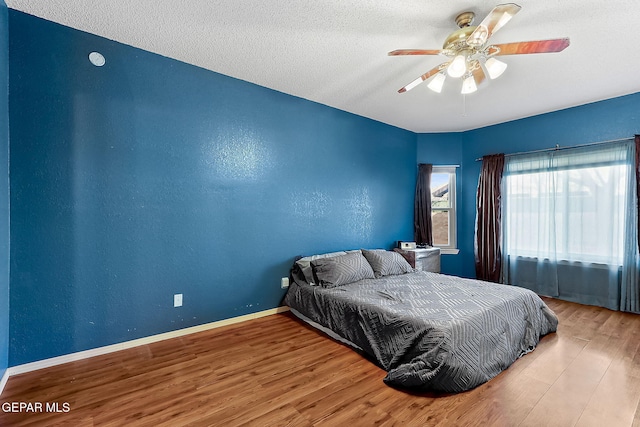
(458, 39)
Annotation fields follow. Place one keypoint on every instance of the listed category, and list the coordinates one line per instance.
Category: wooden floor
(277, 371)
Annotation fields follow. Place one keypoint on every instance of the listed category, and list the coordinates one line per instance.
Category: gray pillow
(341, 270)
(305, 264)
(386, 263)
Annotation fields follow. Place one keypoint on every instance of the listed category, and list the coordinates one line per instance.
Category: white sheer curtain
(569, 223)
(630, 286)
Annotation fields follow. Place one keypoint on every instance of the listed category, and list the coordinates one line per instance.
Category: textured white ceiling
(335, 51)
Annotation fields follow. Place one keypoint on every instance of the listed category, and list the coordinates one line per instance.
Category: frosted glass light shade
(458, 66)
(469, 85)
(495, 68)
(437, 83)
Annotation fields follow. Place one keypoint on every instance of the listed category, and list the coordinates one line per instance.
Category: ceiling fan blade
(400, 52)
(478, 74)
(538, 46)
(495, 20)
(423, 77)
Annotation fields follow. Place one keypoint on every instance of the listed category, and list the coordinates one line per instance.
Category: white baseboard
(46, 363)
(3, 381)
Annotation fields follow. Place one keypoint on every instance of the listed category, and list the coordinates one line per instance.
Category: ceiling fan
(470, 54)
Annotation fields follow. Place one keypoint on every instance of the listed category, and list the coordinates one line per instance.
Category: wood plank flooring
(277, 371)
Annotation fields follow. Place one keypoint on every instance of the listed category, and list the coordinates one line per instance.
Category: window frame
(452, 247)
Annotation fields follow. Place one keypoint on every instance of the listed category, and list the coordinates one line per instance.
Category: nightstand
(423, 259)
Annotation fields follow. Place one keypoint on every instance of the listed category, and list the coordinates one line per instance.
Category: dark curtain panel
(422, 228)
(488, 217)
(638, 181)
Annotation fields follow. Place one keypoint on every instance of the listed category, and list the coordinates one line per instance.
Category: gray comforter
(430, 330)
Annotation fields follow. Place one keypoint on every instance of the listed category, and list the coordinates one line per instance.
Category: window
(569, 223)
(567, 207)
(443, 208)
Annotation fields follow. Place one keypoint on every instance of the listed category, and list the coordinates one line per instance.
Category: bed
(427, 330)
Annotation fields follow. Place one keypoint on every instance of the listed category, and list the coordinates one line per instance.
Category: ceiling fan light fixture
(495, 68)
(458, 66)
(468, 85)
(437, 83)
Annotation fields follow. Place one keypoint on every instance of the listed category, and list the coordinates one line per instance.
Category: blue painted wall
(600, 121)
(149, 177)
(4, 188)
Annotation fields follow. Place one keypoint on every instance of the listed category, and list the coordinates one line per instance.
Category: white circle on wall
(97, 59)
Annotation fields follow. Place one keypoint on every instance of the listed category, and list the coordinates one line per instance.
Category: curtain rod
(558, 148)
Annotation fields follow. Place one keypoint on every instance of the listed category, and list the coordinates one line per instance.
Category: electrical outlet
(284, 282)
(177, 300)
